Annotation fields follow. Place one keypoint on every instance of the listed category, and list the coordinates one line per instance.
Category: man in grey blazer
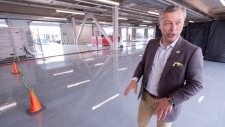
(172, 71)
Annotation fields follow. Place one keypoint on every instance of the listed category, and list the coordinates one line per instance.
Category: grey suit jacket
(178, 82)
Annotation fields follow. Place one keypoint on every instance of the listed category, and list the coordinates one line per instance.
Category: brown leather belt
(153, 96)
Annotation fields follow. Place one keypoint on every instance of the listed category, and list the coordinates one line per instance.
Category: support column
(119, 32)
(115, 28)
(134, 33)
(127, 37)
(146, 34)
(74, 29)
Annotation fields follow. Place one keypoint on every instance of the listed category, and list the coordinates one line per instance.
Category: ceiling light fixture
(223, 2)
(191, 21)
(151, 12)
(109, 2)
(100, 22)
(72, 12)
(147, 21)
(54, 18)
(123, 18)
(143, 25)
(40, 22)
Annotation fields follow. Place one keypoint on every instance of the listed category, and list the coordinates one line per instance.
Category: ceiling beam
(190, 11)
(217, 10)
(26, 10)
(198, 4)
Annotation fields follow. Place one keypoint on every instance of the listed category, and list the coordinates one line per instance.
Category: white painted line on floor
(7, 106)
(78, 83)
(200, 99)
(64, 72)
(89, 59)
(98, 64)
(97, 106)
(122, 69)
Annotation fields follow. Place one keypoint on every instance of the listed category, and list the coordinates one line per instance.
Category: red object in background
(104, 40)
(96, 40)
(101, 40)
(93, 40)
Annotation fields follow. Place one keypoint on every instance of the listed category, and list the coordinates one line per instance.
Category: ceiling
(136, 11)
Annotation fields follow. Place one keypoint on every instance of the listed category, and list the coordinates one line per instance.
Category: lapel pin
(178, 52)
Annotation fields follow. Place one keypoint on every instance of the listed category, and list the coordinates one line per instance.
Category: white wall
(3, 23)
(67, 33)
(12, 41)
(24, 24)
(86, 34)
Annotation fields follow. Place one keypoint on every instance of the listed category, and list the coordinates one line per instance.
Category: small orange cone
(15, 69)
(35, 106)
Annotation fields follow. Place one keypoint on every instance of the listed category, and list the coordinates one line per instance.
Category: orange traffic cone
(15, 69)
(35, 106)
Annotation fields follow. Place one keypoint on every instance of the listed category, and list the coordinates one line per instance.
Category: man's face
(171, 25)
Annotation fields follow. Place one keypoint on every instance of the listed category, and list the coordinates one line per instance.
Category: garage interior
(79, 56)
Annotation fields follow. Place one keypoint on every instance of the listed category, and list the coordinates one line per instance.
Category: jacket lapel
(177, 50)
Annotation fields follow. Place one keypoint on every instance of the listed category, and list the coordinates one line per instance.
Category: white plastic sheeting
(12, 42)
(3, 23)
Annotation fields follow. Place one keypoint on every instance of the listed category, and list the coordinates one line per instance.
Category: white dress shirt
(160, 59)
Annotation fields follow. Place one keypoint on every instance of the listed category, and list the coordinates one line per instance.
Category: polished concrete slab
(86, 90)
(54, 49)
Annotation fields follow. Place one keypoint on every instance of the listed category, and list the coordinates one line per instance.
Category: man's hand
(132, 85)
(163, 108)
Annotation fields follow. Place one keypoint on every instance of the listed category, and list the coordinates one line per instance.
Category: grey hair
(172, 8)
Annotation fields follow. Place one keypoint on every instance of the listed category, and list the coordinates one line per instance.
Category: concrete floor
(86, 90)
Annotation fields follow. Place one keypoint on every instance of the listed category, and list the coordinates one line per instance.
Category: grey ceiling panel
(134, 10)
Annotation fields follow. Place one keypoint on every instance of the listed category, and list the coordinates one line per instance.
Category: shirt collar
(171, 45)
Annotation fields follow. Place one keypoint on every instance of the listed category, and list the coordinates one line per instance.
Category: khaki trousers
(146, 110)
